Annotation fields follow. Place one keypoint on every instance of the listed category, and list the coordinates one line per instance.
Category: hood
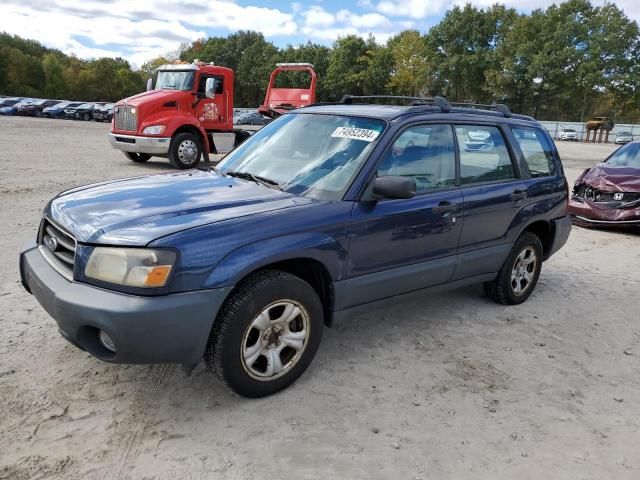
(611, 179)
(139, 210)
(155, 96)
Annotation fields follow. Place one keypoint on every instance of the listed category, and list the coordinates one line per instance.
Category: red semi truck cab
(179, 117)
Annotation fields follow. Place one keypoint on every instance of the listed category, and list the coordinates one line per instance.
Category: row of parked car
(570, 134)
(40, 107)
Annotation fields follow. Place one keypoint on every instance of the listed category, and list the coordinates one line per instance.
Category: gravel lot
(451, 386)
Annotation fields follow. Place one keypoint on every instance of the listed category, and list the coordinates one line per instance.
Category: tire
(517, 279)
(137, 157)
(86, 117)
(249, 318)
(185, 151)
(38, 113)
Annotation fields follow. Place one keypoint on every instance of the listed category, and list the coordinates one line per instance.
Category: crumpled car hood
(611, 179)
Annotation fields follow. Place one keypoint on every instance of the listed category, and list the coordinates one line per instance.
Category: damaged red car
(608, 194)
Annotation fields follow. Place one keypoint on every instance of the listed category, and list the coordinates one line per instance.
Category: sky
(139, 30)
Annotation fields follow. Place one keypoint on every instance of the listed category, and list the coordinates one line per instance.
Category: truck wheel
(185, 151)
(137, 157)
(266, 334)
(519, 273)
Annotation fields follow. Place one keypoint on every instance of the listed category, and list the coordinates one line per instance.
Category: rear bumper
(561, 228)
(138, 144)
(163, 329)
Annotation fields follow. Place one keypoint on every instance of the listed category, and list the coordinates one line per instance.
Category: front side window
(311, 155)
(175, 80)
(424, 152)
(483, 154)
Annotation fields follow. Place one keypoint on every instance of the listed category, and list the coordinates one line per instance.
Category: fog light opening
(106, 341)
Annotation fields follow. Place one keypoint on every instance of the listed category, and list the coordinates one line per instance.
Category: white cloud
(137, 30)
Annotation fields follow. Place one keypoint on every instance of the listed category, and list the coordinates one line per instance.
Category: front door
(211, 111)
(398, 246)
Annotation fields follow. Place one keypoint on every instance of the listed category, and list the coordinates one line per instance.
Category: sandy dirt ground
(452, 386)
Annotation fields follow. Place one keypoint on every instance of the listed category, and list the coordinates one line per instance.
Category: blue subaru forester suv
(326, 212)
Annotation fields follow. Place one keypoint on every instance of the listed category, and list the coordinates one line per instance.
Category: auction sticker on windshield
(355, 133)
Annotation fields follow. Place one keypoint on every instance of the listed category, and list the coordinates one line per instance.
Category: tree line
(566, 62)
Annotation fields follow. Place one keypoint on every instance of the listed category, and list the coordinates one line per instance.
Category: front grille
(600, 196)
(126, 118)
(58, 247)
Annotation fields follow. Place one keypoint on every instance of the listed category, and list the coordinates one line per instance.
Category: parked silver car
(567, 133)
(623, 137)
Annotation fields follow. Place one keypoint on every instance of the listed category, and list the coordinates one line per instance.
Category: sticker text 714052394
(355, 133)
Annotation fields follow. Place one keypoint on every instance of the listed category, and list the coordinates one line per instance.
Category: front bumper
(589, 214)
(138, 144)
(162, 329)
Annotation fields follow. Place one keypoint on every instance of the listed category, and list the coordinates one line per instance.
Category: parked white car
(569, 134)
(624, 137)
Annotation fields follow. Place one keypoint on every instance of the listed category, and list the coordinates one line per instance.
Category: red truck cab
(179, 117)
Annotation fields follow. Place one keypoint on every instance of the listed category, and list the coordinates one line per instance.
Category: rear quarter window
(536, 149)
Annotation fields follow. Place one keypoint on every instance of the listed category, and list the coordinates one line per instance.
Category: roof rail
(498, 107)
(439, 102)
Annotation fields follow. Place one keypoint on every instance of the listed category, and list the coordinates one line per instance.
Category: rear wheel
(185, 151)
(266, 334)
(137, 157)
(519, 273)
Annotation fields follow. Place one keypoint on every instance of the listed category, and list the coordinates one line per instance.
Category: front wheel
(86, 117)
(137, 157)
(266, 334)
(519, 273)
(185, 151)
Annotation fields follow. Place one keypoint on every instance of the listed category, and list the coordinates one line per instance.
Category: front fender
(327, 250)
(173, 122)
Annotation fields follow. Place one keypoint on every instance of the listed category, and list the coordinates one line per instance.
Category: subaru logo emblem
(51, 243)
(618, 196)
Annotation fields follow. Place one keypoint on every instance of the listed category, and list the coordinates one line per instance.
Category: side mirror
(210, 88)
(394, 187)
(149, 84)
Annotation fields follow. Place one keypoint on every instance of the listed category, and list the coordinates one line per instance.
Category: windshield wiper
(267, 182)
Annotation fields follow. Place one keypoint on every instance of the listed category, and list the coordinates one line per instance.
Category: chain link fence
(554, 129)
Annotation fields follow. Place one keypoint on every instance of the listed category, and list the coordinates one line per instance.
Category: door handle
(445, 207)
(518, 195)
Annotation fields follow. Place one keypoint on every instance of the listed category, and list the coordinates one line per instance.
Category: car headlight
(154, 129)
(132, 267)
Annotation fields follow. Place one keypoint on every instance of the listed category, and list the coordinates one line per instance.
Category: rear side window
(424, 152)
(483, 155)
(536, 150)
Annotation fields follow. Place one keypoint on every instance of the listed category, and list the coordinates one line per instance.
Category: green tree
(409, 63)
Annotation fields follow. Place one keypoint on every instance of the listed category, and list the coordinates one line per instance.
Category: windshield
(175, 80)
(568, 130)
(627, 156)
(308, 154)
(86, 105)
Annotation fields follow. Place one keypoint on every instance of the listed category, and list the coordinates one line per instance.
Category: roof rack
(498, 107)
(439, 102)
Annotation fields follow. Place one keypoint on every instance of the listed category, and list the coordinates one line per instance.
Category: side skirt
(416, 294)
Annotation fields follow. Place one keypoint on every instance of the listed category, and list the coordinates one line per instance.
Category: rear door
(540, 165)
(402, 245)
(495, 199)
